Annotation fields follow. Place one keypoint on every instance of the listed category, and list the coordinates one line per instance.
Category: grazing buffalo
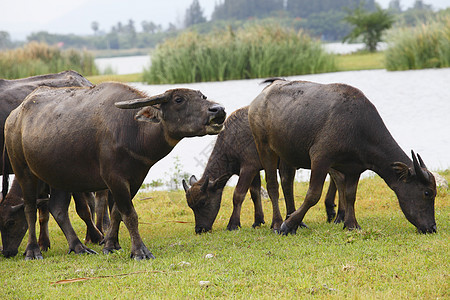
(12, 93)
(104, 137)
(334, 126)
(235, 153)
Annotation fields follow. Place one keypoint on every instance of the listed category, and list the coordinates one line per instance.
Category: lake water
(415, 106)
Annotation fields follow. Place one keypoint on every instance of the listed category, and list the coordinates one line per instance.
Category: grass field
(387, 259)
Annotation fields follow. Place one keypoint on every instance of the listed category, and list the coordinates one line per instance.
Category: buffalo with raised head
(13, 223)
(235, 153)
(334, 126)
(104, 137)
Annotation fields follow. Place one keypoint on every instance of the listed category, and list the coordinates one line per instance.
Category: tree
(5, 40)
(95, 26)
(194, 14)
(368, 25)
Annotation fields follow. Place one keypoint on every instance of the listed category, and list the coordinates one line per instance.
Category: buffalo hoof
(141, 253)
(232, 226)
(81, 250)
(200, 230)
(352, 226)
(303, 225)
(44, 245)
(285, 230)
(94, 237)
(339, 217)
(330, 215)
(258, 223)
(111, 247)
(33, 252)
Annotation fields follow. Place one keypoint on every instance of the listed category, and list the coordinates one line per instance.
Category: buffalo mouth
(431, 229)
(215, 122)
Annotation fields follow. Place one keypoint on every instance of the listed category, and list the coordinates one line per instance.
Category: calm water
(415, 105)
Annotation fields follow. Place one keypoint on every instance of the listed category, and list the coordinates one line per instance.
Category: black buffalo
(13, 223)
(334, 126)
(77, 139)
(235, 153)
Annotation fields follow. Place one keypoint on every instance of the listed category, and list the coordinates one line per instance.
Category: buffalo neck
(218, 165)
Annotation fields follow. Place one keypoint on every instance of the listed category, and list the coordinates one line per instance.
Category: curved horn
(17, 207)
(192, 180)
(205, 184)
(136, 103)
(422, 164)
(185, 186)
(423, 175)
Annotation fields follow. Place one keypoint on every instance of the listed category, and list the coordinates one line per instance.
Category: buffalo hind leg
(351, 185)
(318, 174)
(255, 193)
(101, 210)
(339, 180)
(111, 241)
(329, 201)
(123, 196)
(44, 217)
(269, 160)
(82, 206)
(245, 179)
(59, 206)
(287, 175)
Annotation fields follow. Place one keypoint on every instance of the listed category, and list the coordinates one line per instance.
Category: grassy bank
(251, 52)
(39, 58)
(385, 260)
(425, 46)
(348, 62)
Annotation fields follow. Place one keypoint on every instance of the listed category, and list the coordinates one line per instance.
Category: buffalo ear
(402, 170)
(192, 180)
(221, 181)
(148, 114)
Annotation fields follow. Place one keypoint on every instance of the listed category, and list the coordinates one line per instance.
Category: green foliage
(368, 25)
(39, 58)
(244, 9)
(424, 46)
(250, 52)
(305, 8)
(194, 14)
(387, 259)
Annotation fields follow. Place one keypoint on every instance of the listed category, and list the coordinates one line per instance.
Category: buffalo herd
(64, 137)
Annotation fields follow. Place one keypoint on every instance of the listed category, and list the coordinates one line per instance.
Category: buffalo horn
(136, 103)
(185, 186)
(17, 207)
(205, 184)
(421, 173)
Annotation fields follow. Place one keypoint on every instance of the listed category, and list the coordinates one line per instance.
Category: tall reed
(424, 46)
(250, 52)
(39, 58)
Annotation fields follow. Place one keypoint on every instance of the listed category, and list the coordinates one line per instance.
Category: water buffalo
(86, 143)
(334, 126)
(235, 153)
(12, 93)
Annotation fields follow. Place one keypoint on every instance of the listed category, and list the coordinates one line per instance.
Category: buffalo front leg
(112, 234)
(269, 160)
(339, 180)
(317, 179)
(255, 193)
(329, 201)
(245, 179)
(83, 209)
(351, 185)
(59, 206)
(101, 210)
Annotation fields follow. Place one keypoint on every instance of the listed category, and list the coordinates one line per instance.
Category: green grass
(385, 260)
(39, 58)
(136, 77)
(250, 52)
(425, 46)
(360, 61)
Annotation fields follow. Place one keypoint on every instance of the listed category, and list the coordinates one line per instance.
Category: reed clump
(424, 46)
(39, 58)
(249, 52)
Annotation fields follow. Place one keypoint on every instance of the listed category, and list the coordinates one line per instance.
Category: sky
(22, 17)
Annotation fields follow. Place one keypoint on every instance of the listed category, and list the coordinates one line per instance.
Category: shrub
(424, 46)
(39, 58)
(250, 52)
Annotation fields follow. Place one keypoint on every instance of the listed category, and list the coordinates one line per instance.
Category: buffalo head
(182, 112)
(416, 190)
(13, 226)
(204, 197)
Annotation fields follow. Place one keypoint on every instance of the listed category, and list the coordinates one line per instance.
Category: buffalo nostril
(216, 108)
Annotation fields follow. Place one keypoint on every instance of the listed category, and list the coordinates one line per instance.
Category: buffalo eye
(10, 223)
(179, 99)
(428, 193)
